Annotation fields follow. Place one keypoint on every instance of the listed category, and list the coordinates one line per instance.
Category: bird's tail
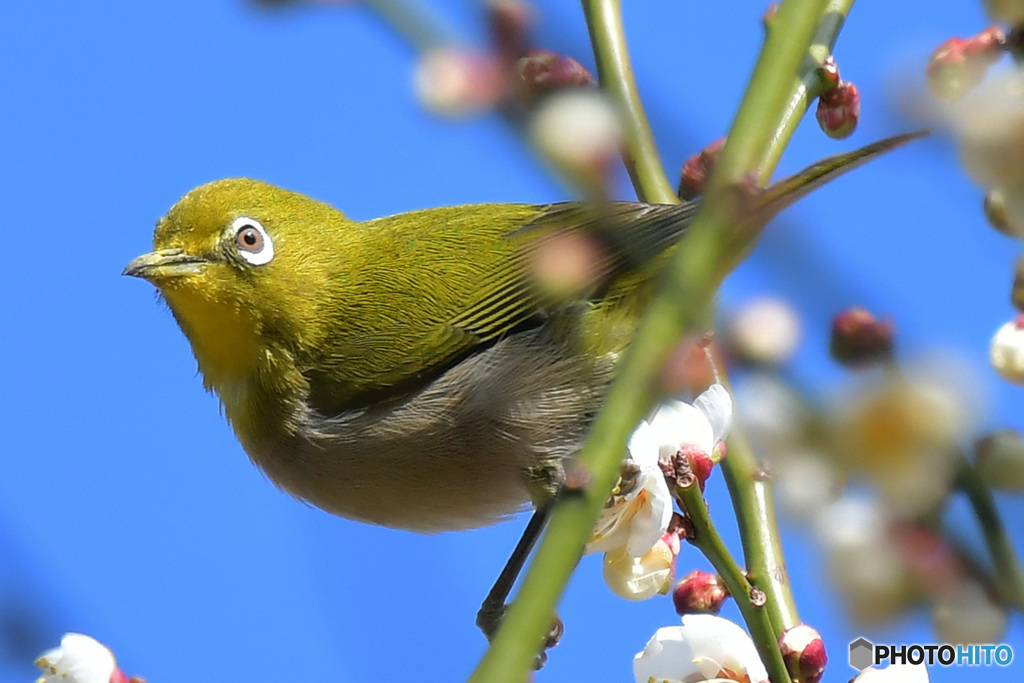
(787, 191)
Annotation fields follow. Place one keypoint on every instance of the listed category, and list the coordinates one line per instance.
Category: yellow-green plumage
(334, 360)
(408, 371)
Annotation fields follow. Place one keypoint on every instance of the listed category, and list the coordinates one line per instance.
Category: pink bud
(699, 592)
(697, 169)
(458, 83)
(958, 65)
(701, 464)
(540, 72)
(859, 338)
(804, 653)
(839, 110)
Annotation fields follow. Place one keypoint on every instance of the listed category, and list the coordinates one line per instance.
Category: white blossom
(632, 529)
(79, 659)
(1006, 353)
(640, 578)
(637, 519)
(704, 648)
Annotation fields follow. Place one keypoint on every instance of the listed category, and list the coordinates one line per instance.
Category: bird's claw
(489, 618)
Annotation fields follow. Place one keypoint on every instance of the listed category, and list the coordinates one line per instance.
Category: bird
(410, 371)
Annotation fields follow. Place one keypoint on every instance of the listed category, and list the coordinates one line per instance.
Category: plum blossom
(639, 578)
(632, 529)
(704, 648)
(79, 659)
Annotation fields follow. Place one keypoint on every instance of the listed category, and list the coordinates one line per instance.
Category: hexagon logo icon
(861, 654)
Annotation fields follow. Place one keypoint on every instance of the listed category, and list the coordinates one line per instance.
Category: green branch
(808, 86)
(757, 618)
(750, 492)
(614, 70)
(752, 500)
(716, 242)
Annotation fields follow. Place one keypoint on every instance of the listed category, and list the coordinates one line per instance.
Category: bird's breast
(473, 446)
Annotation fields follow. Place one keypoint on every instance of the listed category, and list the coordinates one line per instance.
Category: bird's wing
(630, 235)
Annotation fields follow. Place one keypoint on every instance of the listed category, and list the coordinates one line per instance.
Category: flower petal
(677, 424)
(643, 446)
(706, 646)
(79, 659)
(649, 523)
(716, 404)
(640, 578)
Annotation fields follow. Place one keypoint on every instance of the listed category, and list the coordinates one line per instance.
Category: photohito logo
(864, 653)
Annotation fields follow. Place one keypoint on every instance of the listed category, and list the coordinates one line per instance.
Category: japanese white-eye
(409, 371)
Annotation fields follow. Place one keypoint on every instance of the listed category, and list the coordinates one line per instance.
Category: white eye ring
(252, 240)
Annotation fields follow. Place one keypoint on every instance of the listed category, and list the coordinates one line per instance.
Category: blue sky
(127, 509)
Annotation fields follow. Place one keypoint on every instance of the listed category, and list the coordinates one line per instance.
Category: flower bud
(458, 83)
(1006, 354)
(991, 134)
(697, 169)
(640, 578)
(699, 592)
(540, 72)
(701, 463)
(687, 366)
(764, 332)
(803, 650)
(858, 338)
(1000, 460)
(580, 131)
(839, 110)
(567, 264)
(958, 65)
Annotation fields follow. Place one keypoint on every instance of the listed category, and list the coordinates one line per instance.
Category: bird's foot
(489, 618)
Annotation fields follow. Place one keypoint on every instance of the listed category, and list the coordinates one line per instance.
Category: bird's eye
(252, 240)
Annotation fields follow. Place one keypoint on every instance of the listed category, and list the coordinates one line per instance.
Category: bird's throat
(224, 339)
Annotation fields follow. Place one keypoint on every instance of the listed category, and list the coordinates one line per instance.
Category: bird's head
(241, 264)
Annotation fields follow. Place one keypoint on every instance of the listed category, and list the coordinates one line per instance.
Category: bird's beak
(164, 263)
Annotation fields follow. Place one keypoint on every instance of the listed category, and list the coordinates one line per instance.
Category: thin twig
(615, 71)
(717, 241)
(757, 618)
